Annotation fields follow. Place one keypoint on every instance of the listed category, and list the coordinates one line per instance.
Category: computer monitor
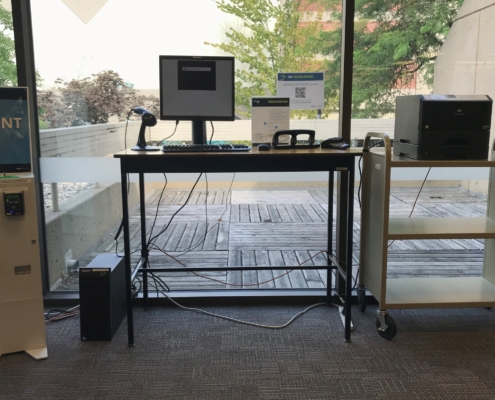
(15, 144)
(197, 89)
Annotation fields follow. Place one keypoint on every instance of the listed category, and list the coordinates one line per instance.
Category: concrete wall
(87, 218)
(88, 140)
(466, 63)
(82, 223)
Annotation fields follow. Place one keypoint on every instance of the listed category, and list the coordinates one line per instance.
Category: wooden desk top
(254, 151)
(290, 160)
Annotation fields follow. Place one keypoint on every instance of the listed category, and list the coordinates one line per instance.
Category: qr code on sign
(300, 92)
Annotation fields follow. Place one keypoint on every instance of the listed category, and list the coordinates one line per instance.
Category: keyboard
(187, 148)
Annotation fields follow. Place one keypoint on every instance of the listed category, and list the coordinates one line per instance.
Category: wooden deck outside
(286, 228)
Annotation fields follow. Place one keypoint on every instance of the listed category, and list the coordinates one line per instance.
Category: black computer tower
(102, 297)
(442, 127)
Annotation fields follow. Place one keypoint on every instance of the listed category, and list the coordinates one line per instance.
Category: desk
(251, 161)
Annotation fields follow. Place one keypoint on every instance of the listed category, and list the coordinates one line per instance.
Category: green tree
(93, 100)
(8, 70)
(150, 103)
(273, 39)
(97, 98)
(52, 112)
(394, 40)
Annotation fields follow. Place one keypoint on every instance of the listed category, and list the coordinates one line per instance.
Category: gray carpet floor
(437, 354)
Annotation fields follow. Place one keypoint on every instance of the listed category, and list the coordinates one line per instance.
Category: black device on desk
(147, 119)
(442, 126)
(293, 142)
(336, 143)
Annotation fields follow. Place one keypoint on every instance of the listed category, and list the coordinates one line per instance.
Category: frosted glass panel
(107, 170)
(91, 169)
(79, 169)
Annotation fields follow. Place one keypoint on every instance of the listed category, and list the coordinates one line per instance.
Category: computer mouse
(263, 147)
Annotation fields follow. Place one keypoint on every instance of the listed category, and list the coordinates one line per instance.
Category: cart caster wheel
(391, 330)
(361, 292)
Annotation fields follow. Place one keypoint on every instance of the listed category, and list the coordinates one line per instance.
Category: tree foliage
(8, 70)
(93, 100)
(271, 40)
(52, 112)
(97, 98)
(395, 40)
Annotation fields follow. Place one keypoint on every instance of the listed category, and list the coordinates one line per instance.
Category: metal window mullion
(26, 76)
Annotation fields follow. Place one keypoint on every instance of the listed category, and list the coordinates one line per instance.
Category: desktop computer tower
(102, 297)
(442, 127)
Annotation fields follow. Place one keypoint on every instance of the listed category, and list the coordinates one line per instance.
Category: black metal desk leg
(330, 237)
(144, 246)
(127, 259)
(350, 237)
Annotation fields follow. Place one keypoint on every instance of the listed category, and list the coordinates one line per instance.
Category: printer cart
(378, 229)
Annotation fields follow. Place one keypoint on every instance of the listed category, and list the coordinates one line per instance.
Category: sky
(125, 36)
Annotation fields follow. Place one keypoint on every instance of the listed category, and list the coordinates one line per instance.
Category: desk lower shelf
(439, 293)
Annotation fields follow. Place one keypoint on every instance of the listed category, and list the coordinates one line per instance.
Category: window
(105, 62)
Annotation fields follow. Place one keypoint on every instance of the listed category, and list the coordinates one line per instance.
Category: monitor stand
(199, 132)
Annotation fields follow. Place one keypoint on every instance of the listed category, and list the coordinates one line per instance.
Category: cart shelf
(377, 229)
(441, 228)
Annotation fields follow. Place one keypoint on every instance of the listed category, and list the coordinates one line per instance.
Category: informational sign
(268, 115)
(304, 89)
(15, 147)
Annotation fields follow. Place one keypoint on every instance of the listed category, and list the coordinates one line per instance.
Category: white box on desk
(268, 115)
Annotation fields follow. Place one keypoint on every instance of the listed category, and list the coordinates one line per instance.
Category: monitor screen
(196, 88)
(15, 148)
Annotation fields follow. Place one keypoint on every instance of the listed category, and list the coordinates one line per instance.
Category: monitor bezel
(167, 117)
(13, 93)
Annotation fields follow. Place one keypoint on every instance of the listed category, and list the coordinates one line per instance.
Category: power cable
(116, 238)
(212, 131)
(173, 216)
(158, 207)
(234, 284)
(201, 241)
(173, 133)
(60, 314)
(240, 321)
(415, 201)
